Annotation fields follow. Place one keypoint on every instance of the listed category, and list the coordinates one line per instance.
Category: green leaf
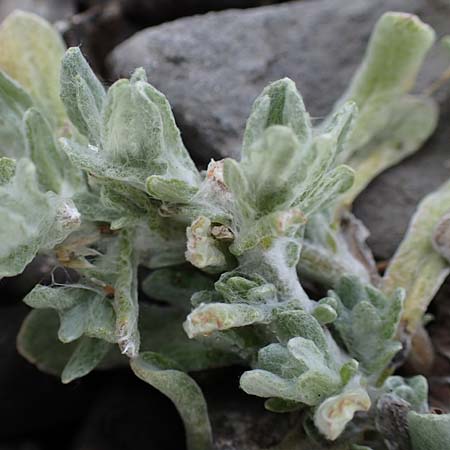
(184, 392)
(367, 323)
(412, 120)
(175, 285)
(429, 431)
(82, 94)
(38, 343)
(416, 266)
(413, 390)
(30, 53)
(126, 297)
(14, 101)
(395, 54)
(54, 170)
(86, 357)
(30, 220)
(162, 332)
(82, 311)
(140, 143)
(279, 104)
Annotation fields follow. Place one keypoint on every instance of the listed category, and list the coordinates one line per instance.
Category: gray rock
(51, 10)
(212, 67)
(152, 12)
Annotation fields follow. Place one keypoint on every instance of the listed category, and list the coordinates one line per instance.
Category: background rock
(158, 11)
(212, 67)
(52, 10)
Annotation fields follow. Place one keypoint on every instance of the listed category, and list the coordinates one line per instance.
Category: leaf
(429, 431)
(162, 374)
(82, 94)
(395, 53)
(367, 323)
(412, 120)
(37, 342)
(82, 312)
(332, 416)
(86, 357)
(416, 266)
(54, 170)
(140, 144)
(30, 53)
(219, 316)
(30, 220)
(203, 251)
(125, 297)
(279, 104)
(14, 101)
(162, 332)
(175, 285)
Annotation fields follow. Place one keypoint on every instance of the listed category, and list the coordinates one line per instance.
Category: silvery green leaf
(162, 332)
(413, 390)
(14, 101)
(82, 311)
(93, 210)
(163, 242)
(125, 296)
(140, 144)
(274, 225)
(86, 357)
(30, 53)
(395, 54)
(175, 285)
(163, 374)
(429, 431)
(367, 323)
(412, 121)
(38, 342)
(416, 266)
(31, 220)
(55, 171)
(82, 94)
(279, 104)
(299, 372)
(332, 416)
(270, 166)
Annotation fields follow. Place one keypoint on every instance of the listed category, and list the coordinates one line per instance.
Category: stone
(150, 12)
(212, 67)
(52, 10)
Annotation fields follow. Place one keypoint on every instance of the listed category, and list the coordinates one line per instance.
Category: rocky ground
(211, 67)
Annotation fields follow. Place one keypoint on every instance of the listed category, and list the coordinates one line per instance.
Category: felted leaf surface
(30, 53)
(367, 323)
(14, 101)
(184, 392)
(416, 266)
(30, 220)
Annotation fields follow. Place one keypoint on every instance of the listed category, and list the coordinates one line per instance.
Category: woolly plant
(99, 180)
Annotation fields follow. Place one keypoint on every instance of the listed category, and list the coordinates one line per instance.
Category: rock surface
(158, 11)
(212, 67)
(52, 10)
